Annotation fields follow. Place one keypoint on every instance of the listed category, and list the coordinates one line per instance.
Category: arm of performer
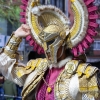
(9, 65)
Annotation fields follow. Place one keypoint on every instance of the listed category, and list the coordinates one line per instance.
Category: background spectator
(9, 89)
(1, 87)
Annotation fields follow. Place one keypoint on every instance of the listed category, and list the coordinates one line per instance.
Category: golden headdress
(79, 36)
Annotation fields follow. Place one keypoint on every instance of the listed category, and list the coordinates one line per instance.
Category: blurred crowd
(9, 90)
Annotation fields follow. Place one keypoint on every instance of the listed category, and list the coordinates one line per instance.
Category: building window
(96, 45)
(58, 3)
(42, 1)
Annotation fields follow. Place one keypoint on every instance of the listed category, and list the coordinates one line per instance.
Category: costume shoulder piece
(62, 83)
(87, 76)
(79, 36)
(34, 70)
(88, 80)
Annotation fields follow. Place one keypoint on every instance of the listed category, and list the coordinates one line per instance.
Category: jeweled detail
(49, 89)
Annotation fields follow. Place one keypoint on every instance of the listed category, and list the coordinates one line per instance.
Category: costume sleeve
(98, 78)
(88, 82)
(9, 65)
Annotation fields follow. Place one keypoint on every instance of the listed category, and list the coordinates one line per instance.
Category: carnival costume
(68, 79)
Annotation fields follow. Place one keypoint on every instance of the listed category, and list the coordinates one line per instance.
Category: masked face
(51, 50)
(51, 41)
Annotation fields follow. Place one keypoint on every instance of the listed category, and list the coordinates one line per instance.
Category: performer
(60, 76)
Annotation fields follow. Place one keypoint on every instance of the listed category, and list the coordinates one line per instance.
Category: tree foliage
(10, 10)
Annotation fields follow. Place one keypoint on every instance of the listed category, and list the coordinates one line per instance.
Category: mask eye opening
(50, 42)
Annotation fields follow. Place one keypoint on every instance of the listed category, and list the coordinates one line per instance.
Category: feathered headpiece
(80, 34)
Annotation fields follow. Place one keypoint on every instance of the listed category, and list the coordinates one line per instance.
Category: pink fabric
(22, 13)
(80, 48)
(24, 2)
(93, 16)
(23, 20)
(28, 38)
(31, 43)
(91, 32)
(51, 77)
(85, 44)
(35, 46)
(89, 39)
(40, 50)
(93, 8)
(93, 24)
(23, 7)
(75, 51)
(54, 72)
(88, 2)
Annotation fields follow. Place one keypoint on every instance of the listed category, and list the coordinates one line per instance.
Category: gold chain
(49, 88)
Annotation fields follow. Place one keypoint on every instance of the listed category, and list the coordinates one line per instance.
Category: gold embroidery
(89, 86)
(71, 66)
(90, 71)
(81, 68)
(61, 88)
(12, 46)
(41, 67)
(31, 65)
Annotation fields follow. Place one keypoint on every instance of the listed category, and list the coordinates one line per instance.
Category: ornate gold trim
(35, 76)
(12, 46)
(61, 88)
